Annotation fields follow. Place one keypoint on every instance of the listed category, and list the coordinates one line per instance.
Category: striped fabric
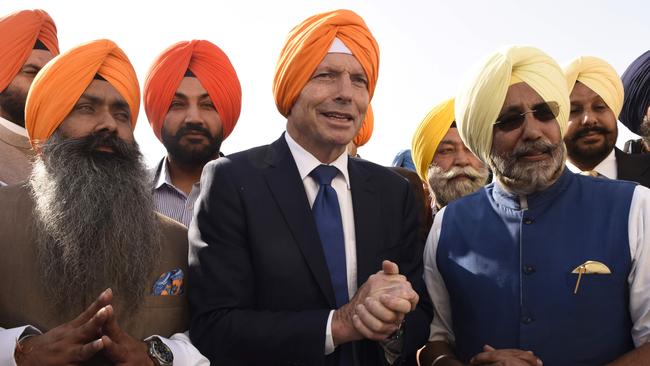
(170, 201)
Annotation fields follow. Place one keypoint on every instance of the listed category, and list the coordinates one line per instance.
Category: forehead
(521, 95)
(39, 58)
(452, 136)
(191, 87)
(581, 92)
(103, 91)
(341, 62)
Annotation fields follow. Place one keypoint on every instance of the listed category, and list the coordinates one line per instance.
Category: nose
(344, 88)
(193, 114)
(462, 157)
(106, 121)
(588, 118)
(532, 128)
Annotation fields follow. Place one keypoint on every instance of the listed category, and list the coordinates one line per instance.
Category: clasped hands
(378, 308)
(94, 330)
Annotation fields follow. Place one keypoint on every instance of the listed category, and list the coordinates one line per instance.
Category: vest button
(528, 269)
(526, 319)
(528, 220)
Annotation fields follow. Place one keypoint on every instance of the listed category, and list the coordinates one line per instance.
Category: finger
(379, 310)
(367, 332)
(93, 327)
(373, 323)
(530, 358)
(394, 304)
(488, 348)
(113, 351)
(389, 267)
(88, 350)
(111, 328)
(102, 300)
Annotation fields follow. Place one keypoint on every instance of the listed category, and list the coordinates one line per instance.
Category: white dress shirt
(607, 167)
(306, 162)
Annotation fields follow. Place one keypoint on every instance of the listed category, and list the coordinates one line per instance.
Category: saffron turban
(482, 95)
(18, 34)
(60, 84)
(428, 135)
(636, 83)
(211, 67)
(307, 45)
(365, 132)
(598, 76)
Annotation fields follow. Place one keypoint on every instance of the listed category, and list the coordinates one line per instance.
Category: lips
(338, 116)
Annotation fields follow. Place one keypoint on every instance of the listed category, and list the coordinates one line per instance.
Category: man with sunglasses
(596, 101)
(542, 265)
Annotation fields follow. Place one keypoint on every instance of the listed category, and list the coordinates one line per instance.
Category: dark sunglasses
(512, 120)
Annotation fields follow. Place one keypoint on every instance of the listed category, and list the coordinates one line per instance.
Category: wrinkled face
(592, 132)
(331, 107)
(529, 157)
(455, 171)
(12, 99)
(192, 129)
(100, 110)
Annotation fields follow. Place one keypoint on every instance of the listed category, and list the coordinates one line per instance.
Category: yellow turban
(307, 45)
(481, 98)
(430, 132)
(60, 84)
(598, 76)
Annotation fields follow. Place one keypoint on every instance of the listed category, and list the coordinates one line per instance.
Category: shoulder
(381, 174)
(15, 195)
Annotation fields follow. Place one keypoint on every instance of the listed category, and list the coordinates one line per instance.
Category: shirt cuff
(183, 350)
(8, 339)
(329, 341)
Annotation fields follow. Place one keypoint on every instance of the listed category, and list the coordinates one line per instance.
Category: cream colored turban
(598, 76)
(481, 97)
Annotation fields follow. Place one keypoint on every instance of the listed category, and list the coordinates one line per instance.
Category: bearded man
(94, 270)
(443, 161)
(543, 265)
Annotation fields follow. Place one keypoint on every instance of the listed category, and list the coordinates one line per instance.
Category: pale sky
(426, 48)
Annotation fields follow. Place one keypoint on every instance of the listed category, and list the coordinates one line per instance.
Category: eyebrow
(97, 100)
(183, 96)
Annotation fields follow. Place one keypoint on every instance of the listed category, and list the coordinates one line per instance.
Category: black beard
(96, 225)
(191, 156)
(12, 103)
(592, 156)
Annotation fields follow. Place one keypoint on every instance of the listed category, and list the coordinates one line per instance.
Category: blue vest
(508, 271)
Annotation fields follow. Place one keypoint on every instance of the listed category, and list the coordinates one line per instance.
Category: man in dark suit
(596, 100)
(290, 268)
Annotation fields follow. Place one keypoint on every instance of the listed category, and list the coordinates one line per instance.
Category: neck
(585, 165)
(325, 153)
(183, 176)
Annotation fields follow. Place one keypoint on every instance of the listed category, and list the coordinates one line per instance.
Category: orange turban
(214, 71)
(18, 34)
(365, 132)
(59, 85)
(308, 44)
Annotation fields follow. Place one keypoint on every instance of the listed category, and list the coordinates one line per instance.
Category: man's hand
(377, 309)
(120, 347)
(71, 343)
(505, 357)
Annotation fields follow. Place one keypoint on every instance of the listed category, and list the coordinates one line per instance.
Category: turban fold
(365, 132)
(598, 76)
(211, 67)
(481, 97)
(636, 82)
(18, 34)
(60, 84)
(428, 135)
(307, 45)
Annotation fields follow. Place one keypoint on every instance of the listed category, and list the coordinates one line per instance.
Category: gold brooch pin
(589, 267)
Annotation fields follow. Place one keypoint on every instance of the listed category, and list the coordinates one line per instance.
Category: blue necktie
(327, 214)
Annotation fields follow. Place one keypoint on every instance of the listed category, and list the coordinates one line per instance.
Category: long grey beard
(445, 190)
(96, 225)
(524, 178)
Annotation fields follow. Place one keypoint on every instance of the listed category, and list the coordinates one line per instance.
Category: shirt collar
(162, 175)
(306, 162)
(13, 127)
(606, 167)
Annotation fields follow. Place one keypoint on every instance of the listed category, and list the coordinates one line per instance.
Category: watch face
(161, 352)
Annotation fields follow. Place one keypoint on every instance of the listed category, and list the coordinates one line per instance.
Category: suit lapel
(629, 167)
(367, 220)
(289, 193)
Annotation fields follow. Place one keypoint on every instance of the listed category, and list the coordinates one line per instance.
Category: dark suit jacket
(633, 167)
(260, 290)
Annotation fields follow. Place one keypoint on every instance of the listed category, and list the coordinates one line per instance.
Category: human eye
(509, 121)
(85, 108)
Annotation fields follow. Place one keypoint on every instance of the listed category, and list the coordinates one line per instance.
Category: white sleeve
(329, 340)
(8, 339)
(639, 278)
(185, 353)
(441, 329)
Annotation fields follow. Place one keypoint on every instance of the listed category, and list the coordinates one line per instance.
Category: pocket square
(169, 283)
(589, 267)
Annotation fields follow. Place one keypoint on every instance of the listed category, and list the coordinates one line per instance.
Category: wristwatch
(159, 353)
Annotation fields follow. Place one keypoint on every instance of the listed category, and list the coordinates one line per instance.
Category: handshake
(378, 308)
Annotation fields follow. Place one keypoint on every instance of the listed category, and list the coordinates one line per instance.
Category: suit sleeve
(226, 324)
(410, 263)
